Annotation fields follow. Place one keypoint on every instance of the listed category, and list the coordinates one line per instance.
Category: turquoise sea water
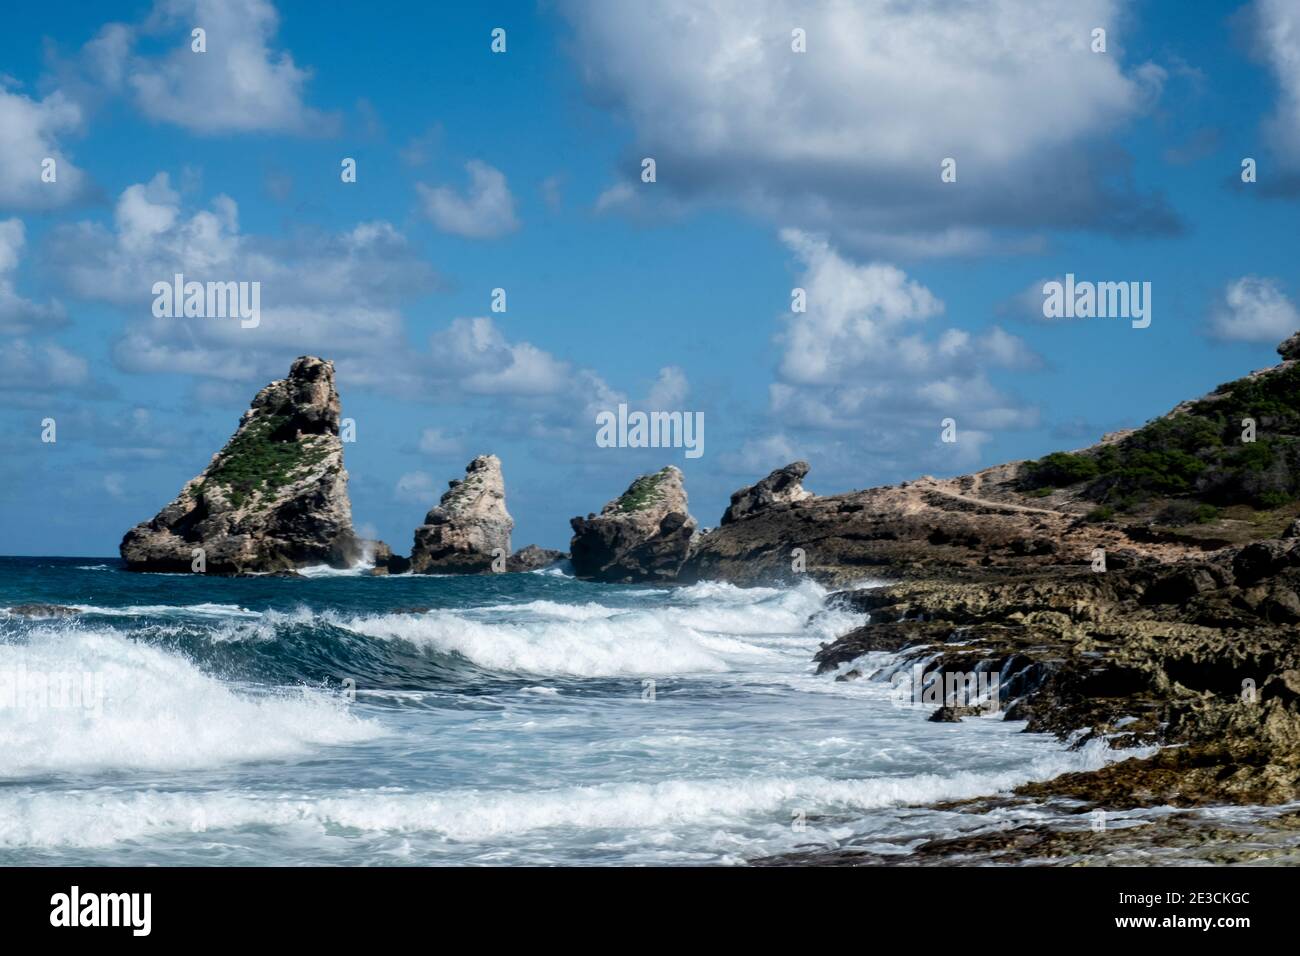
(502, 719)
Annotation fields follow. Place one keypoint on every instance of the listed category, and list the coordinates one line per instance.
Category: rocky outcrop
(533, 558)
(382, 560)
(470, 526)
(782, 487)
(1290, 349)
(1199, 653)
(1164, 492)
(916, 529)
(274, 498)
(642, 535)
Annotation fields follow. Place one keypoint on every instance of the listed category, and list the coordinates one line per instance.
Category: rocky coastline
(1143, 592)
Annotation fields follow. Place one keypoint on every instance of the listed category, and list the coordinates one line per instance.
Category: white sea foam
(203, 610)
(325, 571)
(717, 628)
(98, 819)
(158, 711)
(542, 774)
(619, 644)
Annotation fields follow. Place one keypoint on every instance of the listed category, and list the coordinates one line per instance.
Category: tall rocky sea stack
(642, 535)
(274, 498)
(469, 527)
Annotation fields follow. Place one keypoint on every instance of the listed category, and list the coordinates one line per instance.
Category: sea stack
(643, 535)
(470, 527)
(275, 498)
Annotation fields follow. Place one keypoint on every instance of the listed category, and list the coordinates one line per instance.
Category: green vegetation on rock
(256, 461)
(1197, 453)
(642, 494)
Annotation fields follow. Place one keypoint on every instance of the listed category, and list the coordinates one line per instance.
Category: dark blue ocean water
(511, 718)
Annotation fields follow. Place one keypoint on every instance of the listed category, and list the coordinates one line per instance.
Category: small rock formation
(382, 559)
(782, 486)
(460, 535)
(532, 558)
(275, 498)
(1290, 348)
(642, 535)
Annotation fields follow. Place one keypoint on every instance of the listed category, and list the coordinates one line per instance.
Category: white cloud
(862, 376)
(1254, 309)
(240, 84)
(339, 295)
(758, 457)
(17, 314)
(44, 367)
(669, 391)
(435, 442)
(485, 211)
(416, 487)
(30, 131)
(847, 138)
(482, 360)
(1277, 34)
(336, 294)
(115, 485)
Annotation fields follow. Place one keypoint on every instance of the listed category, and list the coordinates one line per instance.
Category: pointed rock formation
(642, 535)
(460, 535)
(274, 498)
(781, 487)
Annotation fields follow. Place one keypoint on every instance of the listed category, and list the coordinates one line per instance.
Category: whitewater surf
(496, 719)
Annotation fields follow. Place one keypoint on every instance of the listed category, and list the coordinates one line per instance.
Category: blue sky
(521, 170)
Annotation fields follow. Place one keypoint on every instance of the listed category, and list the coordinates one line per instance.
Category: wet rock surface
(1198, 658)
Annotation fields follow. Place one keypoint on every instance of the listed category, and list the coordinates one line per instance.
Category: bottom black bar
(731, 905)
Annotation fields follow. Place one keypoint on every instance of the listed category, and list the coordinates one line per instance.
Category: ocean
(344, 719)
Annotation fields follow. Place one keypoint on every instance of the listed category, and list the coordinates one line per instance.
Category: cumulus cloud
(337, 294)
(848, 137)
(863, 330)
(17, 314)
(482, 360)
(1254, 309)
(240, 84)
(485, 211)
(43, 367)
(30, 133)
(866, 368)
(1277, 37)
